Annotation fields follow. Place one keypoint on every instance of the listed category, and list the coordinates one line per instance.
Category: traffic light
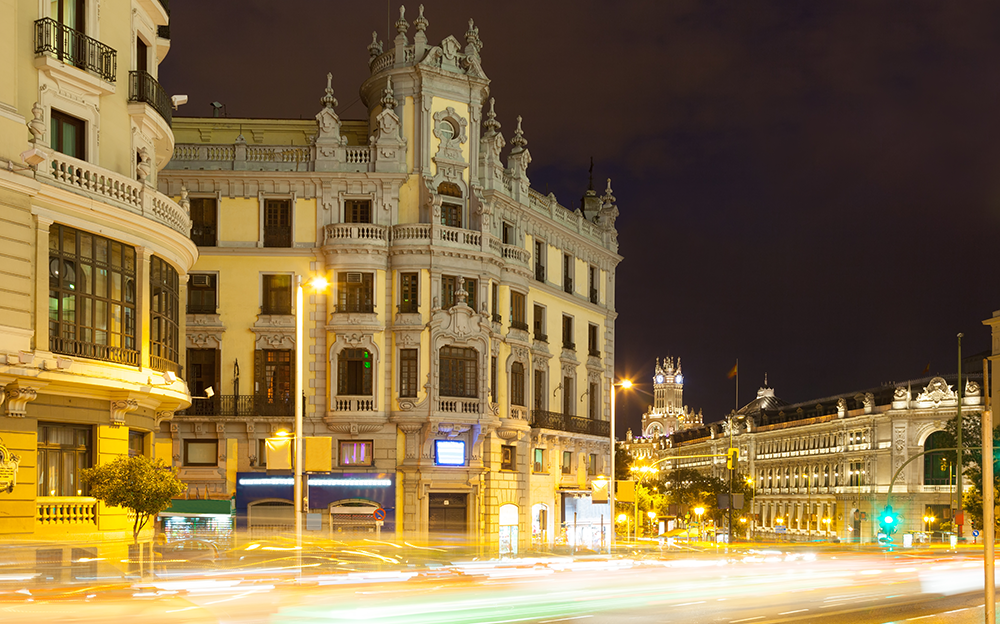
(889, 521)
(732, 456)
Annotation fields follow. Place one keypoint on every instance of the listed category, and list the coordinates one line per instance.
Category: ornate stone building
(668, 414)
(94, 262)
(822, 468)
(463, 352)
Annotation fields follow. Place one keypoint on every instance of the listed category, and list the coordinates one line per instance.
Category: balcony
(241, 405)
(356, 233)
(519, 325)
(594, 352)
(366, 307)
(66, 512)
(93, 351)
(353, 404)
(541, 419)
(142, 87)
(72, 47)
(540, 337)
(163, 364)
(569, 346)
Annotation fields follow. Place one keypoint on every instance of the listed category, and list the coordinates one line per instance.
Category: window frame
(593, 340)
(58, 120)
(517, 384)
(187, 452)
(567, 462)
(568, 273)
(409, 292)
(353, 375)
(355, 296)
(508, 457)
(269, 294)
(518, 312)
(82, 457)
(538, 461)
(449, 284)
(193, 289)
(458, 369)
(276, 223)
(358, 211)
(364, 463)
(200, 226)
(164, 315)
(409, 373)
(568, 334)
(541, 249)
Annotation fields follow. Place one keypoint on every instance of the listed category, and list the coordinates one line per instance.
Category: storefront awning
(198, 507)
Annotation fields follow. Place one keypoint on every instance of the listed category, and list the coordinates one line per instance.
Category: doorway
(448, 514)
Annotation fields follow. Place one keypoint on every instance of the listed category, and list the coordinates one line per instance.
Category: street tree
(972, 462)
(139, 484)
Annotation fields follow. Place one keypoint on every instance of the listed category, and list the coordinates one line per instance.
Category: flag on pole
(927, 369)
(734, 371)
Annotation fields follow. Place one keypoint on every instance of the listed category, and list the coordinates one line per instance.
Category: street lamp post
(625, 383)
(697, 512)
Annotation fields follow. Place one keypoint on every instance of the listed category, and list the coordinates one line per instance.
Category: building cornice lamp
(626, 384)
(318, 284)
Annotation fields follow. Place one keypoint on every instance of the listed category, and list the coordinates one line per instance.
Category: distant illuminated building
(668, 413)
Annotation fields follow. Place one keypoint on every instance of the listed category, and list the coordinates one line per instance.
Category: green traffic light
(888, 519)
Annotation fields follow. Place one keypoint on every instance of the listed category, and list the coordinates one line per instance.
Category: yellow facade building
(94, 259)
(465, 347)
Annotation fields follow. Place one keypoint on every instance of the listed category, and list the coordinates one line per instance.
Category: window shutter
(258, 371)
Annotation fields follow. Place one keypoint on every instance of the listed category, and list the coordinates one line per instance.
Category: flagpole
(737, 384)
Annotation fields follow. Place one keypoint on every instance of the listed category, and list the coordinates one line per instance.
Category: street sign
(780, 529)
(974, 533)
(379, 514)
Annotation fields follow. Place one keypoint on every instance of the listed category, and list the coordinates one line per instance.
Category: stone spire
(388, 98)
(420, 39)
(518, 141)
(328, 100)
(421, 22)
(473, 43)
(609, 211)
(491, 124)
(375, 47)
(401, 27)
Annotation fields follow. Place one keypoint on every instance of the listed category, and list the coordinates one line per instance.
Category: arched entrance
(508, 529)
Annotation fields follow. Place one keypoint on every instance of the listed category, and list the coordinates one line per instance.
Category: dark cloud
(810, 187)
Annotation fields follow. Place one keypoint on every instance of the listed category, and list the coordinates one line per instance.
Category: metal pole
(989, 526)
(298, 416)
(612, 485)
(959, 450)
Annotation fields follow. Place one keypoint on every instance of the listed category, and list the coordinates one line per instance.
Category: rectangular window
(141, 55)
(568, 273)
(540, 252)
(357, 453)
(204, 221)
(201, 452)
(408, 372)
(354, 372)
(508, 457)
(569, 404)
(517, 384)
(517, 314)
(539, 324)
(92, 296)
(67, 135)
(495, 292)
(276, 297)
(539, 463)
(202, 373)
(164, 316)
(567, 331)
(493, 377)
(355, 292)
(274, 382)
(409, 293)
(277, 223)
(458, 368)
(63, 452)
(567, 462)
(449, 284)
(594, 290)
(451, 215)
(357, 211)
(136, 443)
(262, 452)
(592, 464)
(507, 233)
(539, 402)
(202, 293)
(592, 343)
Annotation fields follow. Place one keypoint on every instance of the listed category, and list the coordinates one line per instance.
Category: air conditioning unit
(538, 466)
(201, 279)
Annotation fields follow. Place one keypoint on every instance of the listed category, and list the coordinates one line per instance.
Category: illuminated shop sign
(319, 481)
(449, 452)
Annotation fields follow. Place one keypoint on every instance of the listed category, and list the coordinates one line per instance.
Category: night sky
(810, 187)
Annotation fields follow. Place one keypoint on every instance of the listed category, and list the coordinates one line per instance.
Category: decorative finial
(472, 38)
(460, 293)
(491, 123)
(765, 380)
(328, 100)
(609, 197)
(421, 22)
(375, 47)
(401, 23)
(519, 142)
(388, 100)
(37, 125)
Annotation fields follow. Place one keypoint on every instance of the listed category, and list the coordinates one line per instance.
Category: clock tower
(668, 412)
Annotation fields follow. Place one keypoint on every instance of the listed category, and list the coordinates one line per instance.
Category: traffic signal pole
(989, 532)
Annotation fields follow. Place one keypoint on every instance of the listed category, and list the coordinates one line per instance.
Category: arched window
(354, 373)
(458, 372)
(451, 211)
(517, 384)
(938, 467)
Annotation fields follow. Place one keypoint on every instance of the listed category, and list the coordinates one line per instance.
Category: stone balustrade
(66, 510)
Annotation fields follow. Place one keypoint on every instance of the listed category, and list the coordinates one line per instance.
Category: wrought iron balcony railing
(519, 325)
(142, 87)
(93, 351)
(354, 306)
(542, 419)
(241, 405)
(74, 48)
(277, 236)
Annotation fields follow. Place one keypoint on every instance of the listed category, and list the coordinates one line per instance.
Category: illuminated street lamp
(652, 522)
(697, 512)
(318, 284)
(826, 521)
(928, 520)
(624, 383)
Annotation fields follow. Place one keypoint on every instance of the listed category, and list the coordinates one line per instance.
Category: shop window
(63, 452)
(92, 296)
(508, 457)
(458, 372)
(354, 372)
(357, 453)
(201, 452)
(408, 373)
(276, 297)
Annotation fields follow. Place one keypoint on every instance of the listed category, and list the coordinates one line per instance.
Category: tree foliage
(972, 462)
(689, 488)
(140, 484)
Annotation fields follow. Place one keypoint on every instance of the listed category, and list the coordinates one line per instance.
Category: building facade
(463, 351)
(822, 469)
(94, 259)
(668, 414)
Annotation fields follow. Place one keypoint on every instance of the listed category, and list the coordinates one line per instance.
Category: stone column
(41, 324)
